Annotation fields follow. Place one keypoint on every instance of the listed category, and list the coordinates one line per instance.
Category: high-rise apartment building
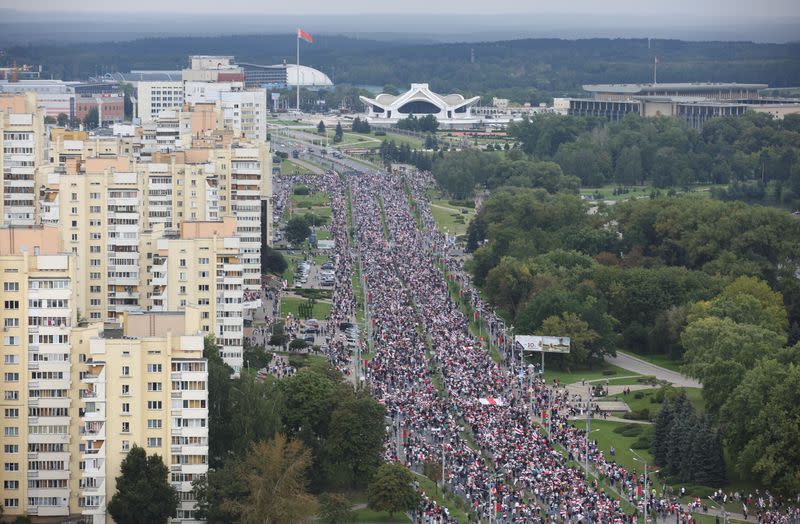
(36, 392)
(155, 96)
(75, 398)
(22, 144)
(145, 384)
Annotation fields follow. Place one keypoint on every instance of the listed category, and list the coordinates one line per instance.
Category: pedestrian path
(637, 365)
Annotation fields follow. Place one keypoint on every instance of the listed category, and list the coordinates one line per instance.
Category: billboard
(543, 344)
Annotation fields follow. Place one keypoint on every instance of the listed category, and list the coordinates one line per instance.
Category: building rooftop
(680, 86)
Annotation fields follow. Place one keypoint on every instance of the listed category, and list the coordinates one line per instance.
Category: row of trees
(360, 126)
(423, 124)
(460, 172)
(757, 155)
(714, 283)
(687, 446)
(391, 153)
(310, 430)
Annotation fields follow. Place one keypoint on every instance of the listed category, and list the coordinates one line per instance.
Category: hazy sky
(724, 8)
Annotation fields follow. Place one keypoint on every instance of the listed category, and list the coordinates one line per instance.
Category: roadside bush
(638, 395)
(462, 203)
(629, 430)
(641, 414)
(641, 443)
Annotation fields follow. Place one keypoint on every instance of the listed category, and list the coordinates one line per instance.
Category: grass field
(446, 500)
(603, 433)
(291, 305)
(366, 515)
(313, 200)
(290, 168)
(646, 402)
(452, 219)
(596, 373)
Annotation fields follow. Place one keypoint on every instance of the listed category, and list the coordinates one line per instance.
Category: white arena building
(450, 110)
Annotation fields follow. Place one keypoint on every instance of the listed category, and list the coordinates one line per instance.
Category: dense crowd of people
(432, 374)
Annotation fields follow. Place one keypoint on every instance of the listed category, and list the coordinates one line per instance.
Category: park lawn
(323, 234)
(318, 199)
(646, 402)
(290, 168)
(658, 360)
(596, 373)
(367, 515)
(412, 141)
(453, 219)
(321, 310)
(603, 433)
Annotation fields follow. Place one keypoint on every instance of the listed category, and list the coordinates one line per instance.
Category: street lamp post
(643, 461)
(588, 430)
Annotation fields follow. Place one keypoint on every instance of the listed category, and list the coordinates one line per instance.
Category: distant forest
(531, 70)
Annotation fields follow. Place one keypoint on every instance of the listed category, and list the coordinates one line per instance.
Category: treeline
(460, 172)
(310, 429)
(687, 446)
(758, 155)
(527, 70)
(391, 153)
(714, 283)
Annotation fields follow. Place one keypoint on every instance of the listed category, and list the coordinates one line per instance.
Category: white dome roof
(308, 76)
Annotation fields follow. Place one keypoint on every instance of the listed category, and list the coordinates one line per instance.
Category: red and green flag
(305, 36)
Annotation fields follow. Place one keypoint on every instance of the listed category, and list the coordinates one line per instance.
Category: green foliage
(273, 260)
(62, 119)
(143, 492)
(297, 230)
(629, 430)
(92, 118)
(360, 126)
(297, 343)
(761, 417)
(423, 124)
(321, 127)
(338, 134)
(687, 446)
(335, 509)
(274, 475)
(356, 431)
(301, 190)
(392, 490)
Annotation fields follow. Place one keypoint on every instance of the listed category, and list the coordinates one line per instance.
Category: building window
(154, 405)
(126, 371)
(154, 423)
(11, 413)
(154, 442)
(154, 368)
(10, 286)
(126, 389)
(154, 386)
(11, 448)
(126, 407)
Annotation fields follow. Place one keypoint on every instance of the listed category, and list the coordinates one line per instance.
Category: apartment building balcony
(124, 281)
(118, 295)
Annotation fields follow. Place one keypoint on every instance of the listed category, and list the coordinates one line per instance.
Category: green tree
(220, 435)
(719, 352)
(321, 127)
(92, 118)
(143, 494)
(219, 484)
(49, 120)
(338, 134)
(62, 119)
(354, 444)
(583, 339)
(274, 262)
(392, 490)
(628, 168)
(760, 419)
(509, 284)
(297, 230)
(659, 446)
(274, 473)
(707, 460)
(335, 508)
(311, 397)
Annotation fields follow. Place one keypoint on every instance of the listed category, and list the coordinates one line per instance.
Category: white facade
(420, 101)
(245, 112)
(154, 97)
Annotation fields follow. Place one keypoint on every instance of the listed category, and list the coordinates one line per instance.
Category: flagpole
(298, 70)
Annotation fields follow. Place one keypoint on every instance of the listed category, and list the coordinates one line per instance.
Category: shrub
(641, 443)
(642, 414)
(298, 343)
(609, 372)
(638, 395)
(629, 430)
(301, 190)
